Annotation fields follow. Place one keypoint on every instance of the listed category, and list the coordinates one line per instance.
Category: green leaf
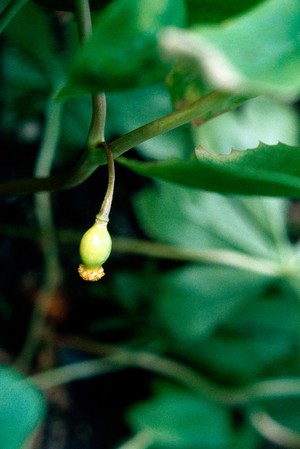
(270, 170)
(176, 419)
(192, 302)
(215, 10)
(256, 53)
(262, 119)
(123, 49)
(31, 34)
(203, 221)
(238, 359)
(185, 86)
(255, 318)
(22, 408)
(250, 344)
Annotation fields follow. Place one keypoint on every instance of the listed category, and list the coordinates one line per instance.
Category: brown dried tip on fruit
(90, 274)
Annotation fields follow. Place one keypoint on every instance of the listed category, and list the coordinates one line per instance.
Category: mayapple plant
(236, 322)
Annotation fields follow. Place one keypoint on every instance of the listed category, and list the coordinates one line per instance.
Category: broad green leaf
(256, 53)
(123, 50)
(259, 337)
(22, 408)
(254, 318)
(238, 359)
(21, 75)
(261, 119)
(203, 220)
(76, 121)
(25, 90)
(176, 419)
(269, 170)
(192, 302)
(31, 34)
(215, 10)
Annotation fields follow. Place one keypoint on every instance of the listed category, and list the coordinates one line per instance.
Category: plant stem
(96, 132)
(212, 256)
(43, 210)
(103, 214)
(84, 20)
(207, 107)
(76, 371)
(9, 12)
(84, 24)
(115, 357)
(118, 358)
(274, 431)
(163, 251)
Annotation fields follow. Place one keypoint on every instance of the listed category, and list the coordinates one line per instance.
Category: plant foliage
(207, 298)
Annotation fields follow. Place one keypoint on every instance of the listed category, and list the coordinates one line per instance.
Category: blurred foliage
(228, 309)
(240, 55)
(22, 408)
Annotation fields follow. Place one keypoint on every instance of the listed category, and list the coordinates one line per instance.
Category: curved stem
(207, 107)
(116, 356)
(103, 214)
(76, 371)
(96, 131)
(273, 431)
(43, 210)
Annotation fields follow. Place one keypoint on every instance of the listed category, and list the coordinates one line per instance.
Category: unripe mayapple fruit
(95, 246)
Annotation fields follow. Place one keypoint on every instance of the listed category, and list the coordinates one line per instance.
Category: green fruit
(69, 5)
(95, 246)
